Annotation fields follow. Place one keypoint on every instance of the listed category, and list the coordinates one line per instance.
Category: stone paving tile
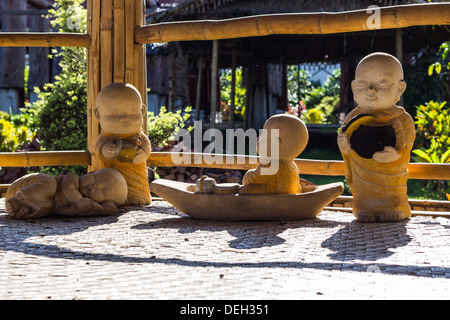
(155, 252)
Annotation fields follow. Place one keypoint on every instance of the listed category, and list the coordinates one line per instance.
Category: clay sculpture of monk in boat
(271, 191)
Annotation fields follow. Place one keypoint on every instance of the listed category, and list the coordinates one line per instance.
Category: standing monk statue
(376, 139)
(122, 144)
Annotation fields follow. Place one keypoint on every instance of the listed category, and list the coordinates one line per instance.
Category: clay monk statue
(376, 139)
(283, 138)
(37, 194)
(122, 144)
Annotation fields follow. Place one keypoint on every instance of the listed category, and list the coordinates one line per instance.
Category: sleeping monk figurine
(283, 138)
(37, 194)
(376, 139)
(122, 144)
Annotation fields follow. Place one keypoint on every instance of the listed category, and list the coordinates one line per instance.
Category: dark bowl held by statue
(371, 138)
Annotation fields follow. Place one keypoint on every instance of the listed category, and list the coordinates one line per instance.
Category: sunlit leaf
(438, 68)
(422, 154)
(430, 69)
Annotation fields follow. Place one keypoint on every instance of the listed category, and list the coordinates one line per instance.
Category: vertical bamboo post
(119, 40)
(140, 59)
(214, 82)
(199, 88)
(113, 56)
(233, 85)
(106, 42)
(130, 22)
(93, 78)
(171, 82)
(248, 96)
(399, 51)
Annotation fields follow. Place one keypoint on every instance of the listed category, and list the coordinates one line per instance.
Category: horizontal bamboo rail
(414, 213)
(296, 23)
(44, 158)
(164, 159)
(430, 208)
(44, 39)
(425, 171)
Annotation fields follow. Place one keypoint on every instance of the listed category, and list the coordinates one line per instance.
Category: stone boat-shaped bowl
(237, 206)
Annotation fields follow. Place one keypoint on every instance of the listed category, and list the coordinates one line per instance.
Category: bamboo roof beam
(44, 39)
(294, 23)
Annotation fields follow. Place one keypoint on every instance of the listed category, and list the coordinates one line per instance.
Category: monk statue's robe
(379, 187)
(286, 180)
(49, 195)
(47, 190)
(135, 174)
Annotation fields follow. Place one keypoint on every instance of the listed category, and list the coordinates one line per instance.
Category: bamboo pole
(44, 39)
(106, 42)
(119, 41)
(93, 73)
(399, 53)
(140, 60)
(44, 158)
(214, 82)
(233, 84)
(298, 23)
(414, 213)
(130, 22)
(426, 171)
(199, 88)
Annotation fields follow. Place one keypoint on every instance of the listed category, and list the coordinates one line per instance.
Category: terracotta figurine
(37, 194)
(376, 139)
(122, 144)
(272, 191)
(284, 137)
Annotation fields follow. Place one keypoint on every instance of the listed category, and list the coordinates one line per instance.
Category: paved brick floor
(156, 252)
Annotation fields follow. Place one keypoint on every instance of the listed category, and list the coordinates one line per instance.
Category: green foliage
(433, 131)
(420, 88)
(433, 157)
(314, 115)
(311, 101)
(61, 109)
(14, 131)
(441, 67)
(26, 78)
(323, 112)
(427, 79)
(433, 142)
(163, 127)
(299, 85)
(70, 16)
(61, 113)
(225, 91)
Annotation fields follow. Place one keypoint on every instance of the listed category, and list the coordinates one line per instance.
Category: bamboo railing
(297, 23)
(423, 171)
(44, 39)
(115, 41)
